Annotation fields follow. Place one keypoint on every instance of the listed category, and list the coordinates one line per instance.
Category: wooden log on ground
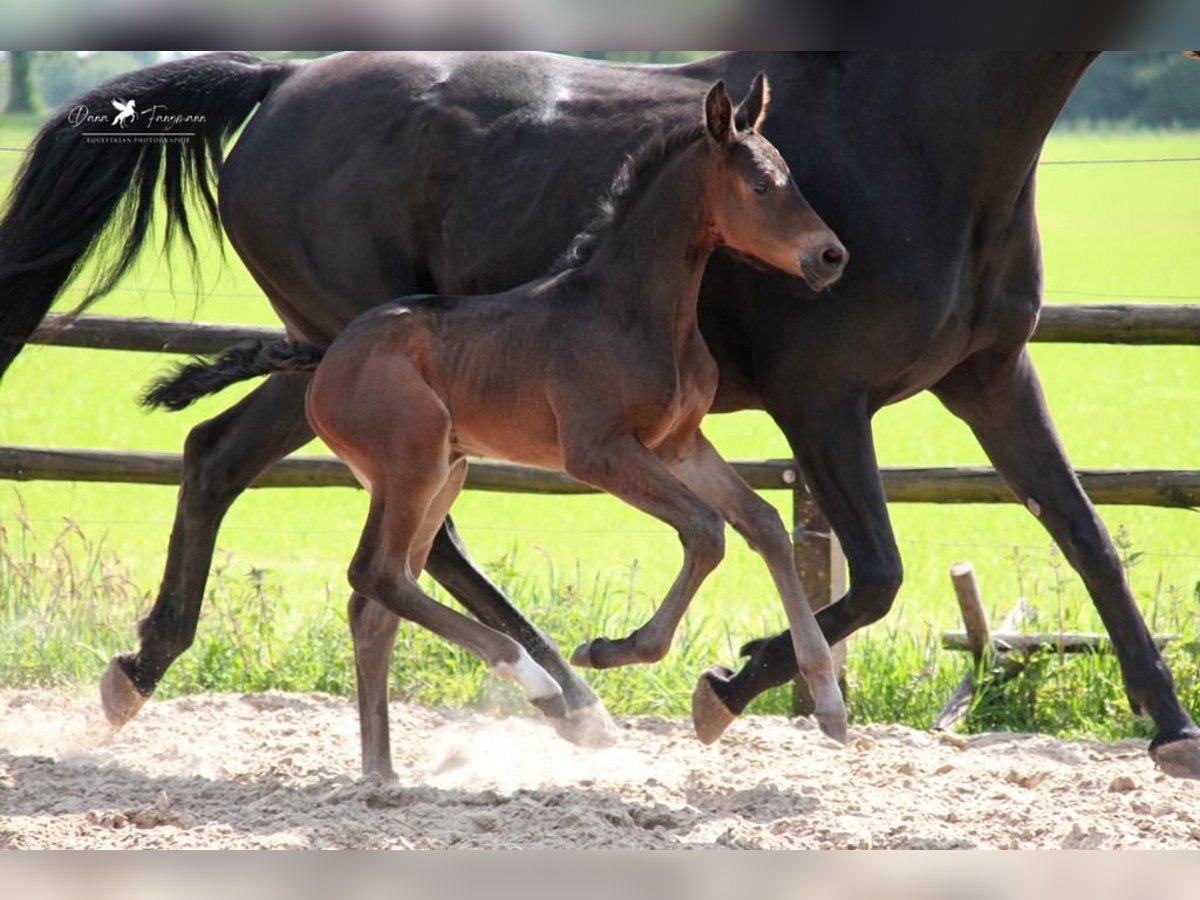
(1136, 487)
(970, 604)
(1004, 641)
(985, 666)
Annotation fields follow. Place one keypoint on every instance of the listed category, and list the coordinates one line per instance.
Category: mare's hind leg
(1000, 396)
(715, 481)
(220, 459)
(627, 470)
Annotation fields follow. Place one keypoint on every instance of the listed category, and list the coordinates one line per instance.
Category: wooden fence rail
(1095, 323)
(907, 484)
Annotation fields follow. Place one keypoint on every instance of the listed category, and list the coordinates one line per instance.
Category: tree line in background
(1149, 89)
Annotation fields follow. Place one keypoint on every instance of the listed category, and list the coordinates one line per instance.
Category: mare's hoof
(710, 715)
(1180, 758)
(590, 727)
(118, 695)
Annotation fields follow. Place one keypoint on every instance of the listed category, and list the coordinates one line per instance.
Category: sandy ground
(280, 771)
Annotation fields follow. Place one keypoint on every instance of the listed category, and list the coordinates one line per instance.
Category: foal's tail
(190, 381)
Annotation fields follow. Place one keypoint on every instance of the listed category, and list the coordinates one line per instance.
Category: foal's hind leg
(373, 627)
(398, 442)
(714, 480)
(586, 721)
(373, 630)
(382, 571)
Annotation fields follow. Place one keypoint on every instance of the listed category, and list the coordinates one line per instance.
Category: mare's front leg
(220, 459)
(832, 442)
(715, 481)
(626, 469)
(1000, 397)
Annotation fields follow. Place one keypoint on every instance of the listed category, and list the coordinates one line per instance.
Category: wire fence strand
(467, 528)
(1132, 160)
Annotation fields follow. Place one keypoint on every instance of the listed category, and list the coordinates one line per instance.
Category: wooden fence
(818, 557)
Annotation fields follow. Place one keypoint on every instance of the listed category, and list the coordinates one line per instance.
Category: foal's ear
(718, 113)
(753, 110)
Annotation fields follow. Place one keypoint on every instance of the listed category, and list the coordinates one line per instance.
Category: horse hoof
(118, 695)
(590, 727)
(710, 715)
(833, 726)
(1180, 759)
(553, 707)
(380, 776)
(582, 657)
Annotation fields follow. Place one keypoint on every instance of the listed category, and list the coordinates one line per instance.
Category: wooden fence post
(822, 570)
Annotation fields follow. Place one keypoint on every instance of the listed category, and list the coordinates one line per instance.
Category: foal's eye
(761, 187)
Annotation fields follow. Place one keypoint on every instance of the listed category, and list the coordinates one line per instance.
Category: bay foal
(597, 369)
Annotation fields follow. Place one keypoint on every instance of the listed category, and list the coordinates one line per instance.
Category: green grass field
(1110, 233)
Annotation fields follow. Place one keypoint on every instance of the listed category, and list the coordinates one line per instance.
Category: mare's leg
(586, 722)
(833, 444)
(627, 470)
(1000, 397)
(220, 459)
(715, 481)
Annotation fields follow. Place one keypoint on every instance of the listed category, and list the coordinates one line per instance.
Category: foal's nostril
(833, 257)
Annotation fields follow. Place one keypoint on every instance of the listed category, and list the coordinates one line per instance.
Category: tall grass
(65, 612)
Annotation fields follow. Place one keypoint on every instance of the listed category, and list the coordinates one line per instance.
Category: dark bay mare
(367, 176)
(597, 369)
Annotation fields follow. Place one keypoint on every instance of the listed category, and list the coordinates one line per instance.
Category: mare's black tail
(190, 381)
(85, 190)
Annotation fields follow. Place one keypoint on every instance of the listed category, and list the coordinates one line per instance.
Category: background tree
(22, 97)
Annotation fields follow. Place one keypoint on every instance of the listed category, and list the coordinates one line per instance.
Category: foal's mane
(634, 176)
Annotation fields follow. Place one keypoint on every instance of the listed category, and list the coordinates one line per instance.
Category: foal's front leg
(715, 481)
(627, 470)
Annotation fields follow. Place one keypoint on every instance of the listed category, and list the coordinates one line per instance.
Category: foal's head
(758, 209)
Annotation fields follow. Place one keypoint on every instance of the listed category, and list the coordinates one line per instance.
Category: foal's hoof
(118, 695)
(833, 726)
(710, 715)
(603, 653)
(1180, 758)
(590, 727)
(582, 657)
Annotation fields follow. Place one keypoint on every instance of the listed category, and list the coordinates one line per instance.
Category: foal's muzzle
(824, 265)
